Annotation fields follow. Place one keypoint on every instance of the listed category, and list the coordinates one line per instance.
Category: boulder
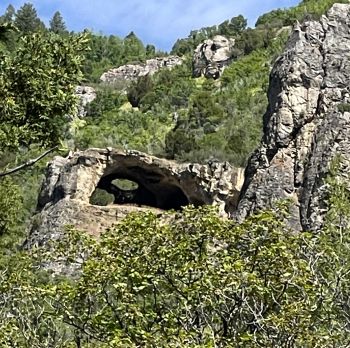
(212, 56)
(86, 95)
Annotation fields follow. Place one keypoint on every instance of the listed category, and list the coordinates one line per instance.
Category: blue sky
(159, 22)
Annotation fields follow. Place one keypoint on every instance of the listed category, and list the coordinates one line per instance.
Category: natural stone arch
(65, 197)
(151, 190)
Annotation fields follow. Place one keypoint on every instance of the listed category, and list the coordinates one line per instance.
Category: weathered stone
(212, 56)
(305, 125)
(131, 72)
(86, 95)
(162, 185)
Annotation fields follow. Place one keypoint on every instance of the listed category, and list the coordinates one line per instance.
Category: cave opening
(143, 190)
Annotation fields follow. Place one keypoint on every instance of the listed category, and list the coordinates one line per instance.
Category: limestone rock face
(161, 185)
(212, 56)
(131, 72)
(307, 122)
(86, 95)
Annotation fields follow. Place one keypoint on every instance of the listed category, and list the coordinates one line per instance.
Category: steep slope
(307, 123)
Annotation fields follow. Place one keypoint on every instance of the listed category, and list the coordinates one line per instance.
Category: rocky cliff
(307, 122)
(212, 56)
(131, 72)
(160, 185)
(306, 125)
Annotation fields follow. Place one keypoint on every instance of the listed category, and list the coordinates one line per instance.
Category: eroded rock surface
(86, 95)
(212, 56)
(307, 122)
(162, 185)
(130, 72)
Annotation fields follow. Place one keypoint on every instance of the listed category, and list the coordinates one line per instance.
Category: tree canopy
(9, 15)
(37, 86)
(57, 24)
(190, 279)
(27, 20)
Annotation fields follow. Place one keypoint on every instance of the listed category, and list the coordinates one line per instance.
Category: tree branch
(28, 163)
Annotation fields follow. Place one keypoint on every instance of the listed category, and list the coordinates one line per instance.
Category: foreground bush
(189, 280)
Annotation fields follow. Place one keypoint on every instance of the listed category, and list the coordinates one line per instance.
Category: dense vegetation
(307, 9)
(194, 279)
(197, 119)
(190, 280)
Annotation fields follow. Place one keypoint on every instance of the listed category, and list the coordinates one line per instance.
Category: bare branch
(28, 163)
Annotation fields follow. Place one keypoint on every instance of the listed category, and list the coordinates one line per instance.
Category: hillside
(199, 119)
(213, 209)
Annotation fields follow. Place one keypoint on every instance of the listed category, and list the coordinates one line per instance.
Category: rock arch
(155, 194)
(161, 185)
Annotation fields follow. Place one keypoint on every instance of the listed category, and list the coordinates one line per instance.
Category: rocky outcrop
(131, 72)
(86, 95)
(307, 122)
(212, 56)
(65, 198)
(306, 126)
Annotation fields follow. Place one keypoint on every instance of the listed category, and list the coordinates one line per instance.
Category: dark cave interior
(144, 188)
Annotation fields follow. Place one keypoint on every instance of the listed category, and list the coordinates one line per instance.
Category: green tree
(139, 89)
(8, 32)
(205, 111)
(189, 279)
(107, 99)
(238, 24)
(27, 20)
(179, 142)
(115, 49)
(57, 24)
(10, 206)
(196, 280)
(37, 93)
(37, 89)
(7, 36)
(312, 9)
(150, 51)
(134, 51)
(9, 15)
(182, 47)
(232, 27)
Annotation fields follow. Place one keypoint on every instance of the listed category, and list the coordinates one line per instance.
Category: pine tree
(8, 33)
(9, 15)
(150, 51)
(134, 51)
(57, 24)
(27, 20)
